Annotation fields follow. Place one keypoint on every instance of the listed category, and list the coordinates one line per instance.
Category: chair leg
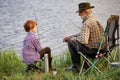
(115, 55)
(90, 62)
(87, 70)
(82, 66)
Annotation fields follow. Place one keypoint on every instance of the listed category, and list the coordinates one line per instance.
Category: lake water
(56, 19)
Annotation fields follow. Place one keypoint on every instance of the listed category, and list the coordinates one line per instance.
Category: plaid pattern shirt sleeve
(84, 35)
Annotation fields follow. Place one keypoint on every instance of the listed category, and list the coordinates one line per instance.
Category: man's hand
(67, 38)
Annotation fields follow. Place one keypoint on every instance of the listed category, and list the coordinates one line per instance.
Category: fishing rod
(98, 51)
(37, 24)
(75, 25)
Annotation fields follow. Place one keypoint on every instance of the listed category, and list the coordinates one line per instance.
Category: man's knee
(71, 43)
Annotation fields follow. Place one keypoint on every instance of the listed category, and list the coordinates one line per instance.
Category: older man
(87, 41)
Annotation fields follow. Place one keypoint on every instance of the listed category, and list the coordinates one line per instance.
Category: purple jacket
(31, 48)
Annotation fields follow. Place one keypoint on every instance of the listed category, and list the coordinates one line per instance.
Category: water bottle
(46, 63)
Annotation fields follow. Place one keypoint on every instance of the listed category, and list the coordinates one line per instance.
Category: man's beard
(83, 17)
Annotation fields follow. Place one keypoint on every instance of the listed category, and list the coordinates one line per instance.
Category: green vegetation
(12, 68)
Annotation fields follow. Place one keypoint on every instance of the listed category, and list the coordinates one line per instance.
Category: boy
(32, 51)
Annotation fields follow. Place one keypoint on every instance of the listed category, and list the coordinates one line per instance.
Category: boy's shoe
(32, 67)
(28, 69)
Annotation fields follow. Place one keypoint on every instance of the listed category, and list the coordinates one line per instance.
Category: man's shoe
(72, 68)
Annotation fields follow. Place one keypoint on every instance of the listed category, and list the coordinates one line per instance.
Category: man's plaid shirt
(91, 32)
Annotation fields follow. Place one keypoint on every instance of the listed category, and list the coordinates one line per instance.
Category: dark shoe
(72, 68)
(28, 69)
(32, 67)
(35, 67)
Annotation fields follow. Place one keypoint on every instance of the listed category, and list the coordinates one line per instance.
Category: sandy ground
(56, 19)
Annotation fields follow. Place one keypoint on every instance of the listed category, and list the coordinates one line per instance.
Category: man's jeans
(76, 46)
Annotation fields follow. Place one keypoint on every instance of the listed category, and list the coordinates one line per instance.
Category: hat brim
(84, 9)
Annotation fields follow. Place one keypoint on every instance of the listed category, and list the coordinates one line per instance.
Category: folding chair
(112, 39)
(111, 34)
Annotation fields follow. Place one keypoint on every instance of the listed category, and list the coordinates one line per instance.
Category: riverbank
(12, 68)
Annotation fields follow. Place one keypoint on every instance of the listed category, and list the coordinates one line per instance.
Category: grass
(12, 68)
